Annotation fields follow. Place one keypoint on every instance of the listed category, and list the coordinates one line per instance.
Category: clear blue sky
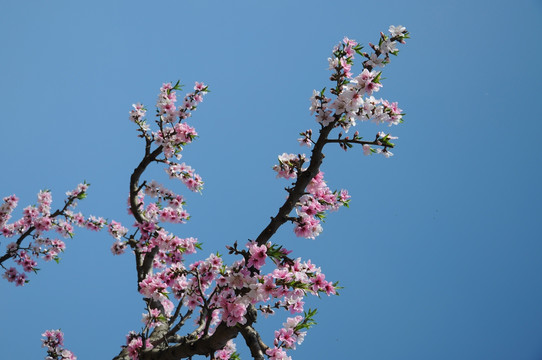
(440, 253)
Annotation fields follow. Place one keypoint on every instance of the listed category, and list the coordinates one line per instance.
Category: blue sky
(440, 252)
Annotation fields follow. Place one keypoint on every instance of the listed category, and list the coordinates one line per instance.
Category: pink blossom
(116, 229)
(43, 223)
(307, 227)
(297, 307)
(397, 31)
(226, 352)
(95, 224)
(277, 354)
(346, 67)
(118, 248)
(291, 323)
(286, 337)
(10, 202)
(186, 175)
(234, 313)
(44, 202)
(289, 165)
(138, 113)
(53, 341)
(135, 344)
(318, 282)
(11, 248)
(200, 86)
(329, 288)
(258, 255)
(10, 274)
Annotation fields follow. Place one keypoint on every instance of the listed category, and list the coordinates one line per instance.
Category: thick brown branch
(303, 179)
(254, 342)
(203, 346)
(134, 181)
(207, 344)
(143, 261)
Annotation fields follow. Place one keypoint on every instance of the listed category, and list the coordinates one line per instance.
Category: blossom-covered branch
(34, 225)
(353, 101)
(222, 300)
(54, 342)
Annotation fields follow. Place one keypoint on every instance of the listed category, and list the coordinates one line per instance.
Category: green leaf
(177, 86)
(337, 287)
(308, 321)
(321, 215)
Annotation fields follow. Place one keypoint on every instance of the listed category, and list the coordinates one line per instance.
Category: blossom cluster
(382, 139)
(386, 45)
(54, 342)
(10, 203)
(137, 115)
(319, 105)
(168, 207)
(186, 174)
(134, 344)
(306, 139)
(229, 290)
(168, 110)
(216, 293)
(173, 138)
(354, 95)
(228, 352)
(173, 134)
(34, 224)
(289, 165)
(312, 206)
(227, 294)
(343, 57)
(290, 334)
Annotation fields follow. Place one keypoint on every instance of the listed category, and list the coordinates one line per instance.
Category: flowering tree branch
(223, 300)
(36, 222)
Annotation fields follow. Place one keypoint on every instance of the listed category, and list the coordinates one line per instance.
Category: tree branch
(361, 142)
(254, 342)
(134, 181)
(9, 255)
(303, 179)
